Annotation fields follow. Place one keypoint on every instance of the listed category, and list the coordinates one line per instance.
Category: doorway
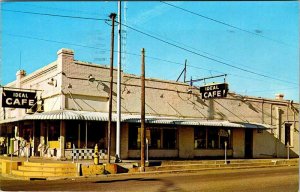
(248, 143)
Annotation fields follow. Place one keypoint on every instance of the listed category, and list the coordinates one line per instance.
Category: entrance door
(248, 143)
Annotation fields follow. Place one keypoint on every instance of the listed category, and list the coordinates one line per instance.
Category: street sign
(18, 99)
(214, 91)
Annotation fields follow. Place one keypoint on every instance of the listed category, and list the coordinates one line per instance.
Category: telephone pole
(112, 16)
(143, 112)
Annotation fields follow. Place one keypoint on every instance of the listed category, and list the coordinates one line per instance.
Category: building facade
(71, 111)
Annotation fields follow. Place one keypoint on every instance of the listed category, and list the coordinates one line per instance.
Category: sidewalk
(86, 168)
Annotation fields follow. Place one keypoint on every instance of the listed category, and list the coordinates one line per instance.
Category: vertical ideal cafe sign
(18, 99)
(214, 91)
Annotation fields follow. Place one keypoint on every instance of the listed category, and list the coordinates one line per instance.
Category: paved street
(262, 179)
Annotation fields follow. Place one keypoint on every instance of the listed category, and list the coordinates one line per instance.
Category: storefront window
(155, 138)
(170, 138)
(212, 138)
(83, 135)
(134, 137)
(200, 138)
(158, 137)
(54, 131)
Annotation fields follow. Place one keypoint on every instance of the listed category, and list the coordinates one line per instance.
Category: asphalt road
(262, 179)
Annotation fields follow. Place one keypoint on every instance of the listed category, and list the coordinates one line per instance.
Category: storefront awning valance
(98, 116)
(70, 115)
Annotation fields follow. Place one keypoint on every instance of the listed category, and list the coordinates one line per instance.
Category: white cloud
(150, 14)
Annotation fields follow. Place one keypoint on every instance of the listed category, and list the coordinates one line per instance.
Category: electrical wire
(201, 55)
(223, 23)
(129, 53)
(154, 37)
(55, 15)
(270, 90)
(213, 55)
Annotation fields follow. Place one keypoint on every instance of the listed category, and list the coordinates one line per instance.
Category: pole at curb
(288, 150)
(118, 128)
(143, 112)
(112, 16)
(147, 149)
(225, 152)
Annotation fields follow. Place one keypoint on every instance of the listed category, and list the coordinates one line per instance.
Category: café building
(64, 106)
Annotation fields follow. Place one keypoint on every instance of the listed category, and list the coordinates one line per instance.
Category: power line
(223, 23)
(154, 37)
(210, 54)
(209, 58)
(90, 18)
(270, 90)
(59, 9)
(47, 40)
(55, 15)
(128, 53)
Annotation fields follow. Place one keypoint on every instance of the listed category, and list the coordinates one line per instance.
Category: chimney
(19, 75)
(65, 57)
(279, 96)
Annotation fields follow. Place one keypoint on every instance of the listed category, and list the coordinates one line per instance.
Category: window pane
(155, 138)
(169, 138)
(287, 134)
(133, 142)
(200, 138)
(212, 138)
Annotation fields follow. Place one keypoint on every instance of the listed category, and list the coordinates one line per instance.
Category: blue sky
(261, 37)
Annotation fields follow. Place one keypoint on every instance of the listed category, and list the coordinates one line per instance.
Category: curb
(168, 172)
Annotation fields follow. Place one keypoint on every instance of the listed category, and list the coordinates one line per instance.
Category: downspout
(278, 131)
(262, 111)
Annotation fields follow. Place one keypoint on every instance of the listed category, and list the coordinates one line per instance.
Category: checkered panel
(83, 153)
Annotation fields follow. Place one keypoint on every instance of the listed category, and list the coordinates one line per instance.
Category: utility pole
(183, 72)
(143, 112)
(184, 76)
(112, 16)
(118, 130)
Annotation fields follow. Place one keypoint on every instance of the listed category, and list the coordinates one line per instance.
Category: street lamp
(118, 129)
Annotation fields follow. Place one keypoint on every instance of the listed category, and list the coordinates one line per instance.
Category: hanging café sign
(214, 91)
(18, 99)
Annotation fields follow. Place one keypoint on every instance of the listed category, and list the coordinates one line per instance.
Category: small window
(287, 131)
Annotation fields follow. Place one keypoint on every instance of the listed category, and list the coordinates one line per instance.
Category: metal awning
(70, 115)
(100, 116)
(10, 120)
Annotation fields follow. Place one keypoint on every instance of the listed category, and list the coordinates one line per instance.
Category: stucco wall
(154, 153)
(186, 142)
(238, 143)
(212, 153)
(264, 144)
(124, 140)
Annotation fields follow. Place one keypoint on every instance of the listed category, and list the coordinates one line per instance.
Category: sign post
(225, 152)
(147, 149)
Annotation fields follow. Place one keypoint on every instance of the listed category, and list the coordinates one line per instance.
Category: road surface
(262, 179)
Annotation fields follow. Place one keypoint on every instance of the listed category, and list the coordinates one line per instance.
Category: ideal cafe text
(18, 99)
(214, 91)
